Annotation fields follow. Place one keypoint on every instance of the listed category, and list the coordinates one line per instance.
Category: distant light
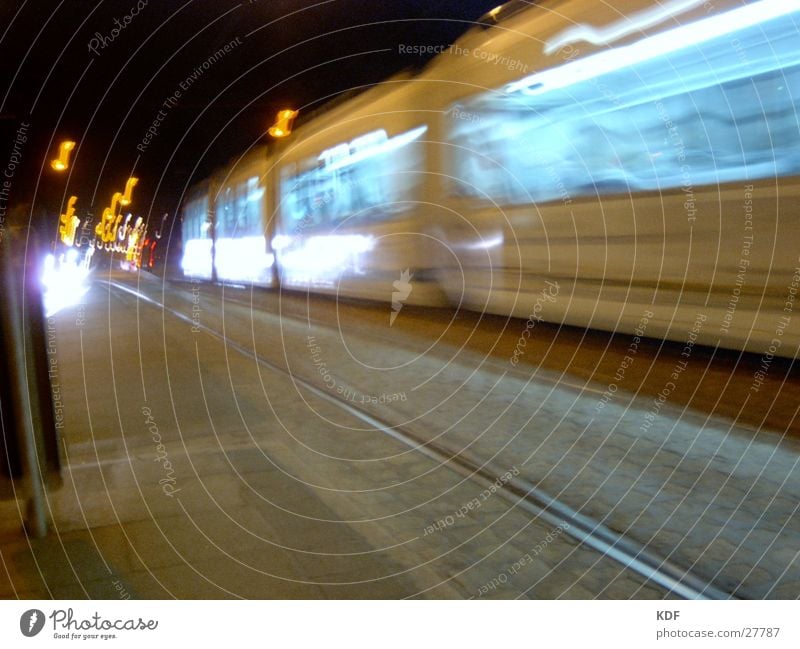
(69, 223)
(123, 228)
(128, 195)
(62, 162)
(64, 282)
(106, 228)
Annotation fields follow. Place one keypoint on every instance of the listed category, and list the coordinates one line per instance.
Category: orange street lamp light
(62, 162)
(69, 223)
(127, 196)
(107, 226)
(283, 124)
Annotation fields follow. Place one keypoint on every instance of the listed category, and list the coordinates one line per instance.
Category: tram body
(631, 169)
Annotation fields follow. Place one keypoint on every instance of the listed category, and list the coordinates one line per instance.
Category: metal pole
(22, 383)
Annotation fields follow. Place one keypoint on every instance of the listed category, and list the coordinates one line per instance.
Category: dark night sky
(107, 100)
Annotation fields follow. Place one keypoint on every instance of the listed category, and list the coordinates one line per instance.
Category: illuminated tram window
(658, 114)
(369, 176)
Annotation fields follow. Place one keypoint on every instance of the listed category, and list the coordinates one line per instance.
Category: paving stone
(247, 446)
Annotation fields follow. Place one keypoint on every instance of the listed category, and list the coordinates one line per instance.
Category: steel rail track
(518, 491)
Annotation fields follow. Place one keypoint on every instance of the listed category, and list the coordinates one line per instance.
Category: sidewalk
(166, 505)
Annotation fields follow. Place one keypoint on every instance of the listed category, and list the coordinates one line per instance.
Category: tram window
(719, 110)
(370, 177)
(194, 217)
(253, 195)
(226, 220)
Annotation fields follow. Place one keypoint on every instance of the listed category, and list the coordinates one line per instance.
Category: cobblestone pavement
(680, 454)
(191, 471)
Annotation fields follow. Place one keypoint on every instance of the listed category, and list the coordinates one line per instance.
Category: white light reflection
(654, 46)
(64, 282)
(243, 259)
(322, 259)
(486, 244)
(281, 241)
(196, 260)
(636, 22)
(378, 148)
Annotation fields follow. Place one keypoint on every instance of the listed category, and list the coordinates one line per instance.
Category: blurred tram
(630, 168)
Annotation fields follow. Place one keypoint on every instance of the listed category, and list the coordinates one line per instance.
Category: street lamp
(126, 197)
(283, 124)
(106, 229)
(69, 223)
(62, 162)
